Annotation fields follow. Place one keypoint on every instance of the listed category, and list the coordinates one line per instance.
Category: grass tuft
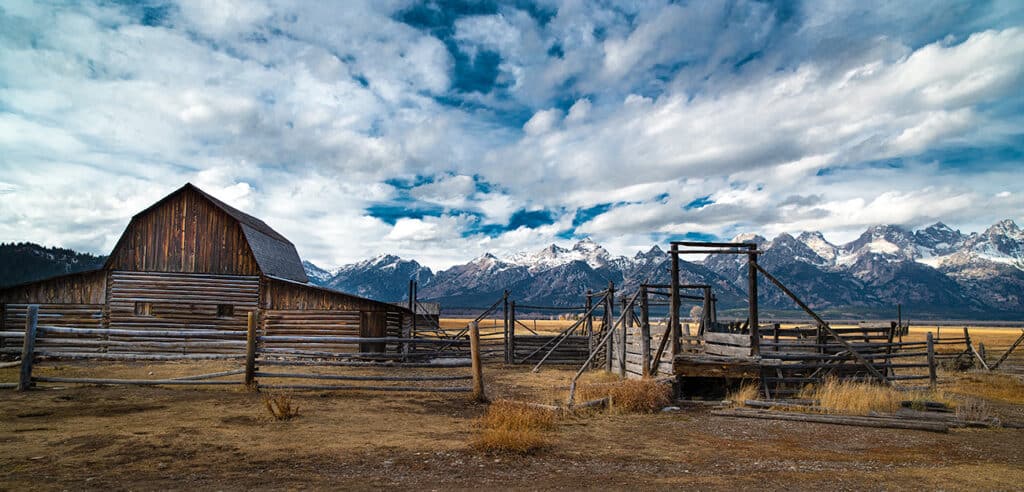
(510, 427)
(629, 395)
(281, 406)
(744, 393)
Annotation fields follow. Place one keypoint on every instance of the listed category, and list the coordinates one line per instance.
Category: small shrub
(974, 410)
(281, 406)
(629, 395)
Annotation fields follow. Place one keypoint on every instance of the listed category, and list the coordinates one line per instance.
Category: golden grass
(511, 427)
(861, 398)
(281, 406)
(997, 387)
(629, 395)
(744, 393)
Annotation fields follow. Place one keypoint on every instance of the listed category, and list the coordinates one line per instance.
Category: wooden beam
(28, 349)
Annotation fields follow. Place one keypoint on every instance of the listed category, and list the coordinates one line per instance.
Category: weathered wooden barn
(192, 262)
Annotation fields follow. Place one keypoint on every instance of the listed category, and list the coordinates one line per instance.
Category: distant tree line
(25, 262)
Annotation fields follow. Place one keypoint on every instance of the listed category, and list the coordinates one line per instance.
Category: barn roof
(275, 254)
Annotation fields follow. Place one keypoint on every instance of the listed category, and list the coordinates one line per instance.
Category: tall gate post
(673, 305)
(755, 336)
(589, 323)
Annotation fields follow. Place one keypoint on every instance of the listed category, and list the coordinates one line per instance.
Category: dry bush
(744, 393)
(510, 427)
(281, 406)
(629, 395)
(974, 410)
(998, 387)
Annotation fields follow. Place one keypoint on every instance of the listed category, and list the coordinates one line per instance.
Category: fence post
(512, 331)
(627, 323)
(754, 321)
(28, 348)
(250, 351)
(609, 319)
(504, 313)
(931, 361)
(478, 375)
(645, 333)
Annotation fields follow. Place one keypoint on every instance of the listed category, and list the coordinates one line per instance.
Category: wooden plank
(726, 350)
(727, 339)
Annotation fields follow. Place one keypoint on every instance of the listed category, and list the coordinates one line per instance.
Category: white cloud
(299, 112)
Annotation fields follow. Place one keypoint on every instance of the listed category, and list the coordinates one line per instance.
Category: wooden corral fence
(642, 335)
(270, 361)
(1006, 359)
(572, 345)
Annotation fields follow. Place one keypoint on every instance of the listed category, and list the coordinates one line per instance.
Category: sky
(441, 130)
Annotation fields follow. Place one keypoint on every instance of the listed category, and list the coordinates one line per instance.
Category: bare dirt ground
(92, 437)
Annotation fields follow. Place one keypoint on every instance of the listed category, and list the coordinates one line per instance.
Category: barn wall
(283, 295)
(181, 301)
(184, 233)
(295, 309)
(77, 288)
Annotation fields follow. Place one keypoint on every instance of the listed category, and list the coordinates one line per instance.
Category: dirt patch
(159, 438)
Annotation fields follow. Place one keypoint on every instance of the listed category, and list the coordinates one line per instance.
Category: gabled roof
(275, 254)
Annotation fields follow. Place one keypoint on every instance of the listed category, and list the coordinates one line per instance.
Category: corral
(203, 297)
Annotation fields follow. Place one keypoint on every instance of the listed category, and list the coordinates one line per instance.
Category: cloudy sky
(441, 130)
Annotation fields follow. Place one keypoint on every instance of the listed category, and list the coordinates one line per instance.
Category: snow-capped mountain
(385, 277)
(552, 256)
(935, 269)
(316, 274)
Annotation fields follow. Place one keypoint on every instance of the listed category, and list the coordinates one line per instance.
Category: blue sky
(442, 130)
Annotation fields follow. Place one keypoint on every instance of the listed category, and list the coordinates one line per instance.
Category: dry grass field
(93, 437)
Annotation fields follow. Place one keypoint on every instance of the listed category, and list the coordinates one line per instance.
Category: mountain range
(933, 272)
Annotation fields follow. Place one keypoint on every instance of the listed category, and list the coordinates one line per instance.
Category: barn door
(373, 324)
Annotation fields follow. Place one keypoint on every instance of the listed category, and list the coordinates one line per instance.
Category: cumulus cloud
(777, 118)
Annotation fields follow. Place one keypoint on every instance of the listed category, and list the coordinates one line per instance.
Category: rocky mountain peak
(821, 246)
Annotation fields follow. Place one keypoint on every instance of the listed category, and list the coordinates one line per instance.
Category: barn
(192, 262)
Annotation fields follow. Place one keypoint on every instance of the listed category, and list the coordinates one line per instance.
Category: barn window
(143, 308)
(225, 310)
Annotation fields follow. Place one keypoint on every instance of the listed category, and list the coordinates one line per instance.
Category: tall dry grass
(511, 427)
(629, 395)
(742, 394)
(861, 398)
